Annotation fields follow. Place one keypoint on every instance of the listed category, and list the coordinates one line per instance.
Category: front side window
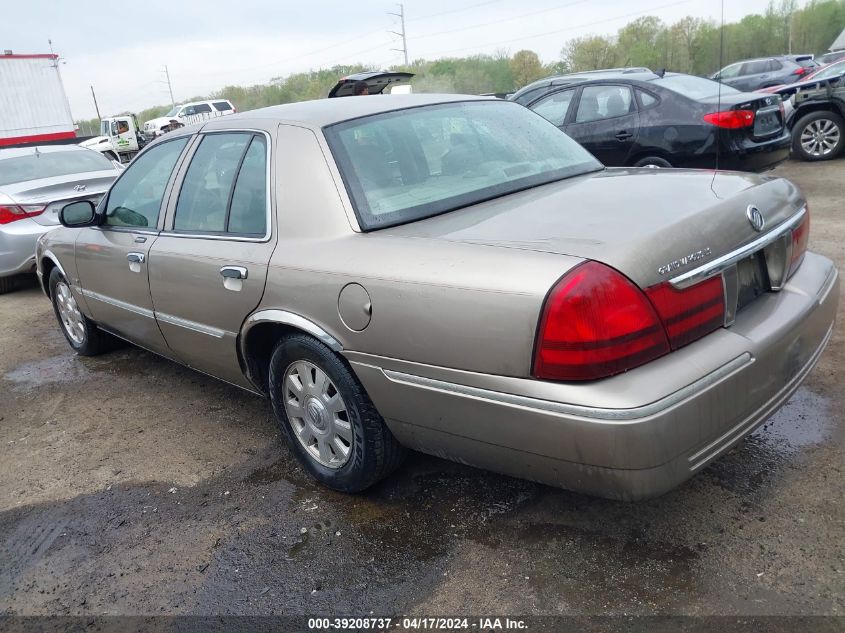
(225, 186)
(730, 72)
(411, 164)
(554, 107)
(135, 199)
(603, 102)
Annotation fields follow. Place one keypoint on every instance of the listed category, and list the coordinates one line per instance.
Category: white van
(188, 113)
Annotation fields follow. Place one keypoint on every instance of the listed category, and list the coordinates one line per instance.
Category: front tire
(7, 284)
(818, 136)
(81, 333)
(653, 161)
(327, 419)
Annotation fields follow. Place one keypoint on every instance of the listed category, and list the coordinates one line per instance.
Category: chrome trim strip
(192, 325)
(288, 318)
(827, 286)
(609, 415)
(90, 294)
(760, 415)
(719, 264)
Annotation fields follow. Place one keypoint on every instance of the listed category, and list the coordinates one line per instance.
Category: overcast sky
(208, 44)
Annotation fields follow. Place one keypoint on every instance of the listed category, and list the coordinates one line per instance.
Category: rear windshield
(411, 164)
(50, 164)
(694, 87)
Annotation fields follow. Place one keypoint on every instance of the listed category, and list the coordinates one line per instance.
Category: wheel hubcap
(71, 317)
(820, 137)
(317, 414)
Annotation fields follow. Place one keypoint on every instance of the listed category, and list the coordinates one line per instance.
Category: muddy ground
(130, 485)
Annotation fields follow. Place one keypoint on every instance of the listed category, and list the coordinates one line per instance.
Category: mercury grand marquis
(454, 275)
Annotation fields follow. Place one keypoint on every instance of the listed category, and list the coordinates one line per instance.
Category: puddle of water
(58, 369)
(803, 421)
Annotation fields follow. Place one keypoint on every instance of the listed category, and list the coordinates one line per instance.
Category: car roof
(322, 112)
(562, 80)
(11, 152)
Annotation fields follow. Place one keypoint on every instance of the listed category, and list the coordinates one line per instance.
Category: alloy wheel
(820, 137)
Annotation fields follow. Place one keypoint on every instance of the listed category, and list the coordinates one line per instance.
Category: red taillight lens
(690, 313)
(731, 119)
(800, 235)
(12, 213)
(799, 71)
(596, 323)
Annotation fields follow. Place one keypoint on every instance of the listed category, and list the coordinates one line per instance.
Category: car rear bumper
(746, 155)
(17, 246)
(632, 436)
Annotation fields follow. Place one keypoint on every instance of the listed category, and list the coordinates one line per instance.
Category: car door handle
(234, 272)
(623, 135)
(135, 258)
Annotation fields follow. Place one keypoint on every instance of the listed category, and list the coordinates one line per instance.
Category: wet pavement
(131, 485)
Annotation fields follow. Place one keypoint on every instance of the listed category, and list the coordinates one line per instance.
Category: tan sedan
(456, 276)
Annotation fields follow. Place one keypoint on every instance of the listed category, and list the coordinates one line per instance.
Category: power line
(467, 8)
(556, 31)
(499, 21)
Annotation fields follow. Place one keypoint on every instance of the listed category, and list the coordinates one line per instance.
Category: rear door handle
(135, 258)
(623, 135)
(234, 272)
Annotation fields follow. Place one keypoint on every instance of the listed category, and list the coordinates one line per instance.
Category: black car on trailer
(636, 117)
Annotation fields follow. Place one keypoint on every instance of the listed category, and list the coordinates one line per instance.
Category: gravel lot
(131, 485)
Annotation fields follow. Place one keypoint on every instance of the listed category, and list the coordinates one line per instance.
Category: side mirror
(77, 214)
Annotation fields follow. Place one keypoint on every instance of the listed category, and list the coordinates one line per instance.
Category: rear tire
(81, 333)
(818, 136)
(653, 161)
(327, 419)
(7, 284)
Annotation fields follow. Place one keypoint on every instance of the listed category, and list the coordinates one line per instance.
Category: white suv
(188, 113)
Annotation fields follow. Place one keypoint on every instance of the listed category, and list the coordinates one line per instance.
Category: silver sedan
(35, 182)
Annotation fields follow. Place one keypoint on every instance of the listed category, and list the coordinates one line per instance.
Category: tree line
(690, 45)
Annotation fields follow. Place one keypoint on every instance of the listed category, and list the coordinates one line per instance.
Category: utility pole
(169, 87)
(96, 107)
(401, 16)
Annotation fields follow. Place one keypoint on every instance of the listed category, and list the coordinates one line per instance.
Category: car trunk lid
(377, 82)
(681, 219)
(56, 192)
(767, 117)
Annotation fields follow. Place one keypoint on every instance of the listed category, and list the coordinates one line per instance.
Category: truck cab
(120, 138)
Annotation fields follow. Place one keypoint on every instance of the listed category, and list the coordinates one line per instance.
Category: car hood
(636, 220)
(57, 191)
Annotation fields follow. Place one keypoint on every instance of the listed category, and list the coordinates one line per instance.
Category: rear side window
(775, 65)
(603, 102)
(222, 106)
(554, 107)
(225, 186)
(647, 100)
(135, 199)
(755, 67)
(201, 108)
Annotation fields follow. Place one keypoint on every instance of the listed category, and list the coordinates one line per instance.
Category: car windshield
(173, 111)
(51, 164)
(694, 87)
(411, 164)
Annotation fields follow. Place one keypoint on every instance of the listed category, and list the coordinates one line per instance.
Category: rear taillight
(800, 71)
(800, 235)
(731, 119)
(14, 212)
(690, 313)
(596, 323)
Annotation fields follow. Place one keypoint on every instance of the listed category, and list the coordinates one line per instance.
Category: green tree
(525, 67)
(589, 53)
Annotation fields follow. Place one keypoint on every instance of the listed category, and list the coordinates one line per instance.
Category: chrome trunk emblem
(755, 217)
